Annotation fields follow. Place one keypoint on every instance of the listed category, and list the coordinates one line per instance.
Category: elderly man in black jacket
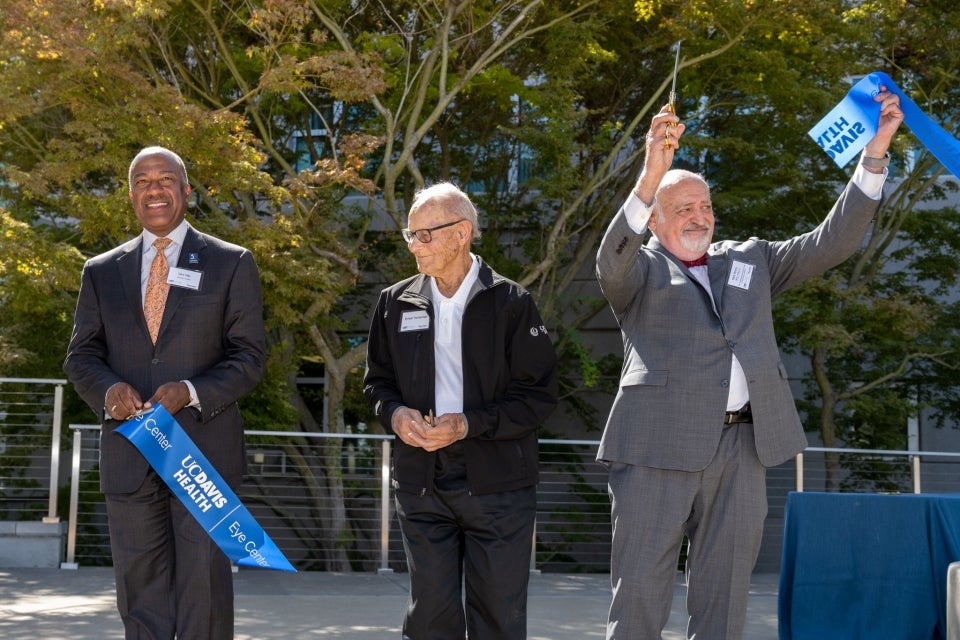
(461, 367)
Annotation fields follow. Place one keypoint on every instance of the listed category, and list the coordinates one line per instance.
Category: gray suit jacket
(678, 349)
(213, 337)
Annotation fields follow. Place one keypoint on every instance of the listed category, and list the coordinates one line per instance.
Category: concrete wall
(32, 544)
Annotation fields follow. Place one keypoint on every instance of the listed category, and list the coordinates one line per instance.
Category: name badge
(740, 275)
(414, 321)
(185, 278)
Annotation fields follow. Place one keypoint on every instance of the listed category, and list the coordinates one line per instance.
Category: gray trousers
(720, 510)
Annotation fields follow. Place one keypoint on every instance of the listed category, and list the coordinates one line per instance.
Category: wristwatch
(876, 163)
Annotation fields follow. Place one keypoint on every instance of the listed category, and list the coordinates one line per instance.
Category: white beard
(699, 246)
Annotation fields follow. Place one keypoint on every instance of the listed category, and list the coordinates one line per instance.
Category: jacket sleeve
(619, 272)
(379, 381)
(531, 392)
(833, 241)
(86, 361)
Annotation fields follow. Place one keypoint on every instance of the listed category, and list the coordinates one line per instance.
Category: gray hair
(450, 198)
(156, 151)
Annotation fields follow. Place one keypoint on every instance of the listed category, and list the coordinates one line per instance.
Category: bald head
(157, 151)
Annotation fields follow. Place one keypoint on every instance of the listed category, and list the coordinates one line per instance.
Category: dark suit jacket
(213, 337)
(678, 349)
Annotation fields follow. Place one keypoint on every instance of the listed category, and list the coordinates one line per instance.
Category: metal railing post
(533, 550)
(74, 503)
(953, 601)
(385, 508)
(915, 462)
(52, 516)
(800, 472)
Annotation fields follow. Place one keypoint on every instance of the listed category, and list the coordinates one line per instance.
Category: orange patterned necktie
(157, 289)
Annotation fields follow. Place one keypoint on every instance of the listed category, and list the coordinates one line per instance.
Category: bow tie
(699, 262)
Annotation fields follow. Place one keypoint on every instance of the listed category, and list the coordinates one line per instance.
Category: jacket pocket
(633, 377)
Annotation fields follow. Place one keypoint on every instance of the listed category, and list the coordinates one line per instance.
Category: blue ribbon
(201, 489)
(845, 131)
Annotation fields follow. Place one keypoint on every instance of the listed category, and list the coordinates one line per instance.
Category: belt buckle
(734, 416)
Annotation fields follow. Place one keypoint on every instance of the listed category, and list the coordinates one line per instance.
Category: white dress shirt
(448, 343)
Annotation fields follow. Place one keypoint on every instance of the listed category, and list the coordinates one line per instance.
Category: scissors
(136, 414)
(672, 100)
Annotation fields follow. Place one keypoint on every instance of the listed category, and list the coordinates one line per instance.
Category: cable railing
(31, 413)
(327, 500)
(288, 489)
(877, 471)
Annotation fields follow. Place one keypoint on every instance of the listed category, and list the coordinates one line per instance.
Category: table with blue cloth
(867, 565)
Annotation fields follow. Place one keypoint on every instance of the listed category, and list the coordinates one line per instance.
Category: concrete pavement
(56, 604)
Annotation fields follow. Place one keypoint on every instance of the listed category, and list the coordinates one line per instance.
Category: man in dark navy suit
(203, 349)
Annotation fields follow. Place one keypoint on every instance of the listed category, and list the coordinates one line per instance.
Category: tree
(85, 88)
(883, 324)
(308, 126)
(36, 274)
(882, 332)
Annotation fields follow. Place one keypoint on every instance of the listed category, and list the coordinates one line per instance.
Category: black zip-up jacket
(509, 380)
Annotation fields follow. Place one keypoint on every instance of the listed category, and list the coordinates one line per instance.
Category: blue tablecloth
(867, 566)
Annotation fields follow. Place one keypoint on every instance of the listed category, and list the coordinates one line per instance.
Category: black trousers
(482, 542)
(172, 579)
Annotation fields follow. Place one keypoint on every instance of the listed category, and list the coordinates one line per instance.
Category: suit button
(724, 383)
(155, 361)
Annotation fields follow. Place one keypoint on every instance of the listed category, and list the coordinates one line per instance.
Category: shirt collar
(463, 292)
(178, 235)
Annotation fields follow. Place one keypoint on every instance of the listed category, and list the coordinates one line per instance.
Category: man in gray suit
(704, 405)
(205, 350)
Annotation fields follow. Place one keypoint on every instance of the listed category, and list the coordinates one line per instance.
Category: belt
(742, 415)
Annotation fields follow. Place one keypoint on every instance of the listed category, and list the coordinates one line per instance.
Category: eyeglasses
(425, 235)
